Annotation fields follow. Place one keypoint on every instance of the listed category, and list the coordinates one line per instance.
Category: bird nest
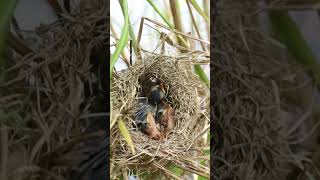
(184, 90)
(52, 87)
(252, 140)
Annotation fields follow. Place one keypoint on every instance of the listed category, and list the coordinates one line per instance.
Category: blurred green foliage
(6, 10)
(287, 32)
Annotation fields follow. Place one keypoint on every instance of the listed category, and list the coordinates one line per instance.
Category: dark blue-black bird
(144, 118)
(167, 119)
(148, 116)
(141, 114)
(159, 112)
(157, 94)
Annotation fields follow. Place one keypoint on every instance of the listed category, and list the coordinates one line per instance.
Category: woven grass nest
(251, 78)
(47, 90)
(190, 113)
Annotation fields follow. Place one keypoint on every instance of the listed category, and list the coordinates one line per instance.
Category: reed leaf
(120, 46)
(178, 171)
(126, 135)
(199, 10)
(202, 75)
(184, 43)
(6, 9)
(123, 38)
(195, 25)
(198, 69)
(134, 41)
(132, 36)
(288, 33)
(160, 14)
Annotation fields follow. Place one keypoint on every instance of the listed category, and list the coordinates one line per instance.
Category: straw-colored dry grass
(43, 102)
(254, 83)
(191, 115)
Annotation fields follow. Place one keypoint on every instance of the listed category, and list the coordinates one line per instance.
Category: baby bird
(157, 94)
(167, 120)
(141, 114)
(159, 112)
(155, 117)
(151, 128)
(144, 118)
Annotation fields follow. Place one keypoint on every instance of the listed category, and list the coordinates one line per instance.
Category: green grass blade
(194, 24)
(126, 135)
(134, 40)
(176, 16)
(176, 170)
(202, 75)
(205, 152)
(160, 14)
(184, 43)
(199, 10)
(120, 46)
(6, 10)
(132, 36)
(206, 6)
(288, 33)
(123, 38)
(202, 178)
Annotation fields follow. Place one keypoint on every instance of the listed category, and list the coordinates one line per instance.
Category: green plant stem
(123, 38)
(133, 38)
(160, 13)
(123, 53)
(195, 25)
(175, 10)
(185, 44)
(197, 7)
(202, 75)
(6, 10)
(288, 33)
(206, 6)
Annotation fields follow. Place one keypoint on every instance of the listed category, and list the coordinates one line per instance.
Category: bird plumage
(168, 120)
(157, 95)
(155, 118)
(151, 128)
(141, 114)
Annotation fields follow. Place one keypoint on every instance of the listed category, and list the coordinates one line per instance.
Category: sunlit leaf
(202, 75)
(123, 38)
(126, 135)
(199, 10)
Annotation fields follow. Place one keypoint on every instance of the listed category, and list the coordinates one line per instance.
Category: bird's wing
(141, 114)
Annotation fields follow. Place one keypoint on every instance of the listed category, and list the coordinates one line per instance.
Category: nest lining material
(48, 98)
(189, 116)
(250, 141)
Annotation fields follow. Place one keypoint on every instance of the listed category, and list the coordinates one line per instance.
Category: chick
(159, 112)
(149, 116)
(167, 120)
(151, 128)
(141, 114)
(157, 94)
(144, 118)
